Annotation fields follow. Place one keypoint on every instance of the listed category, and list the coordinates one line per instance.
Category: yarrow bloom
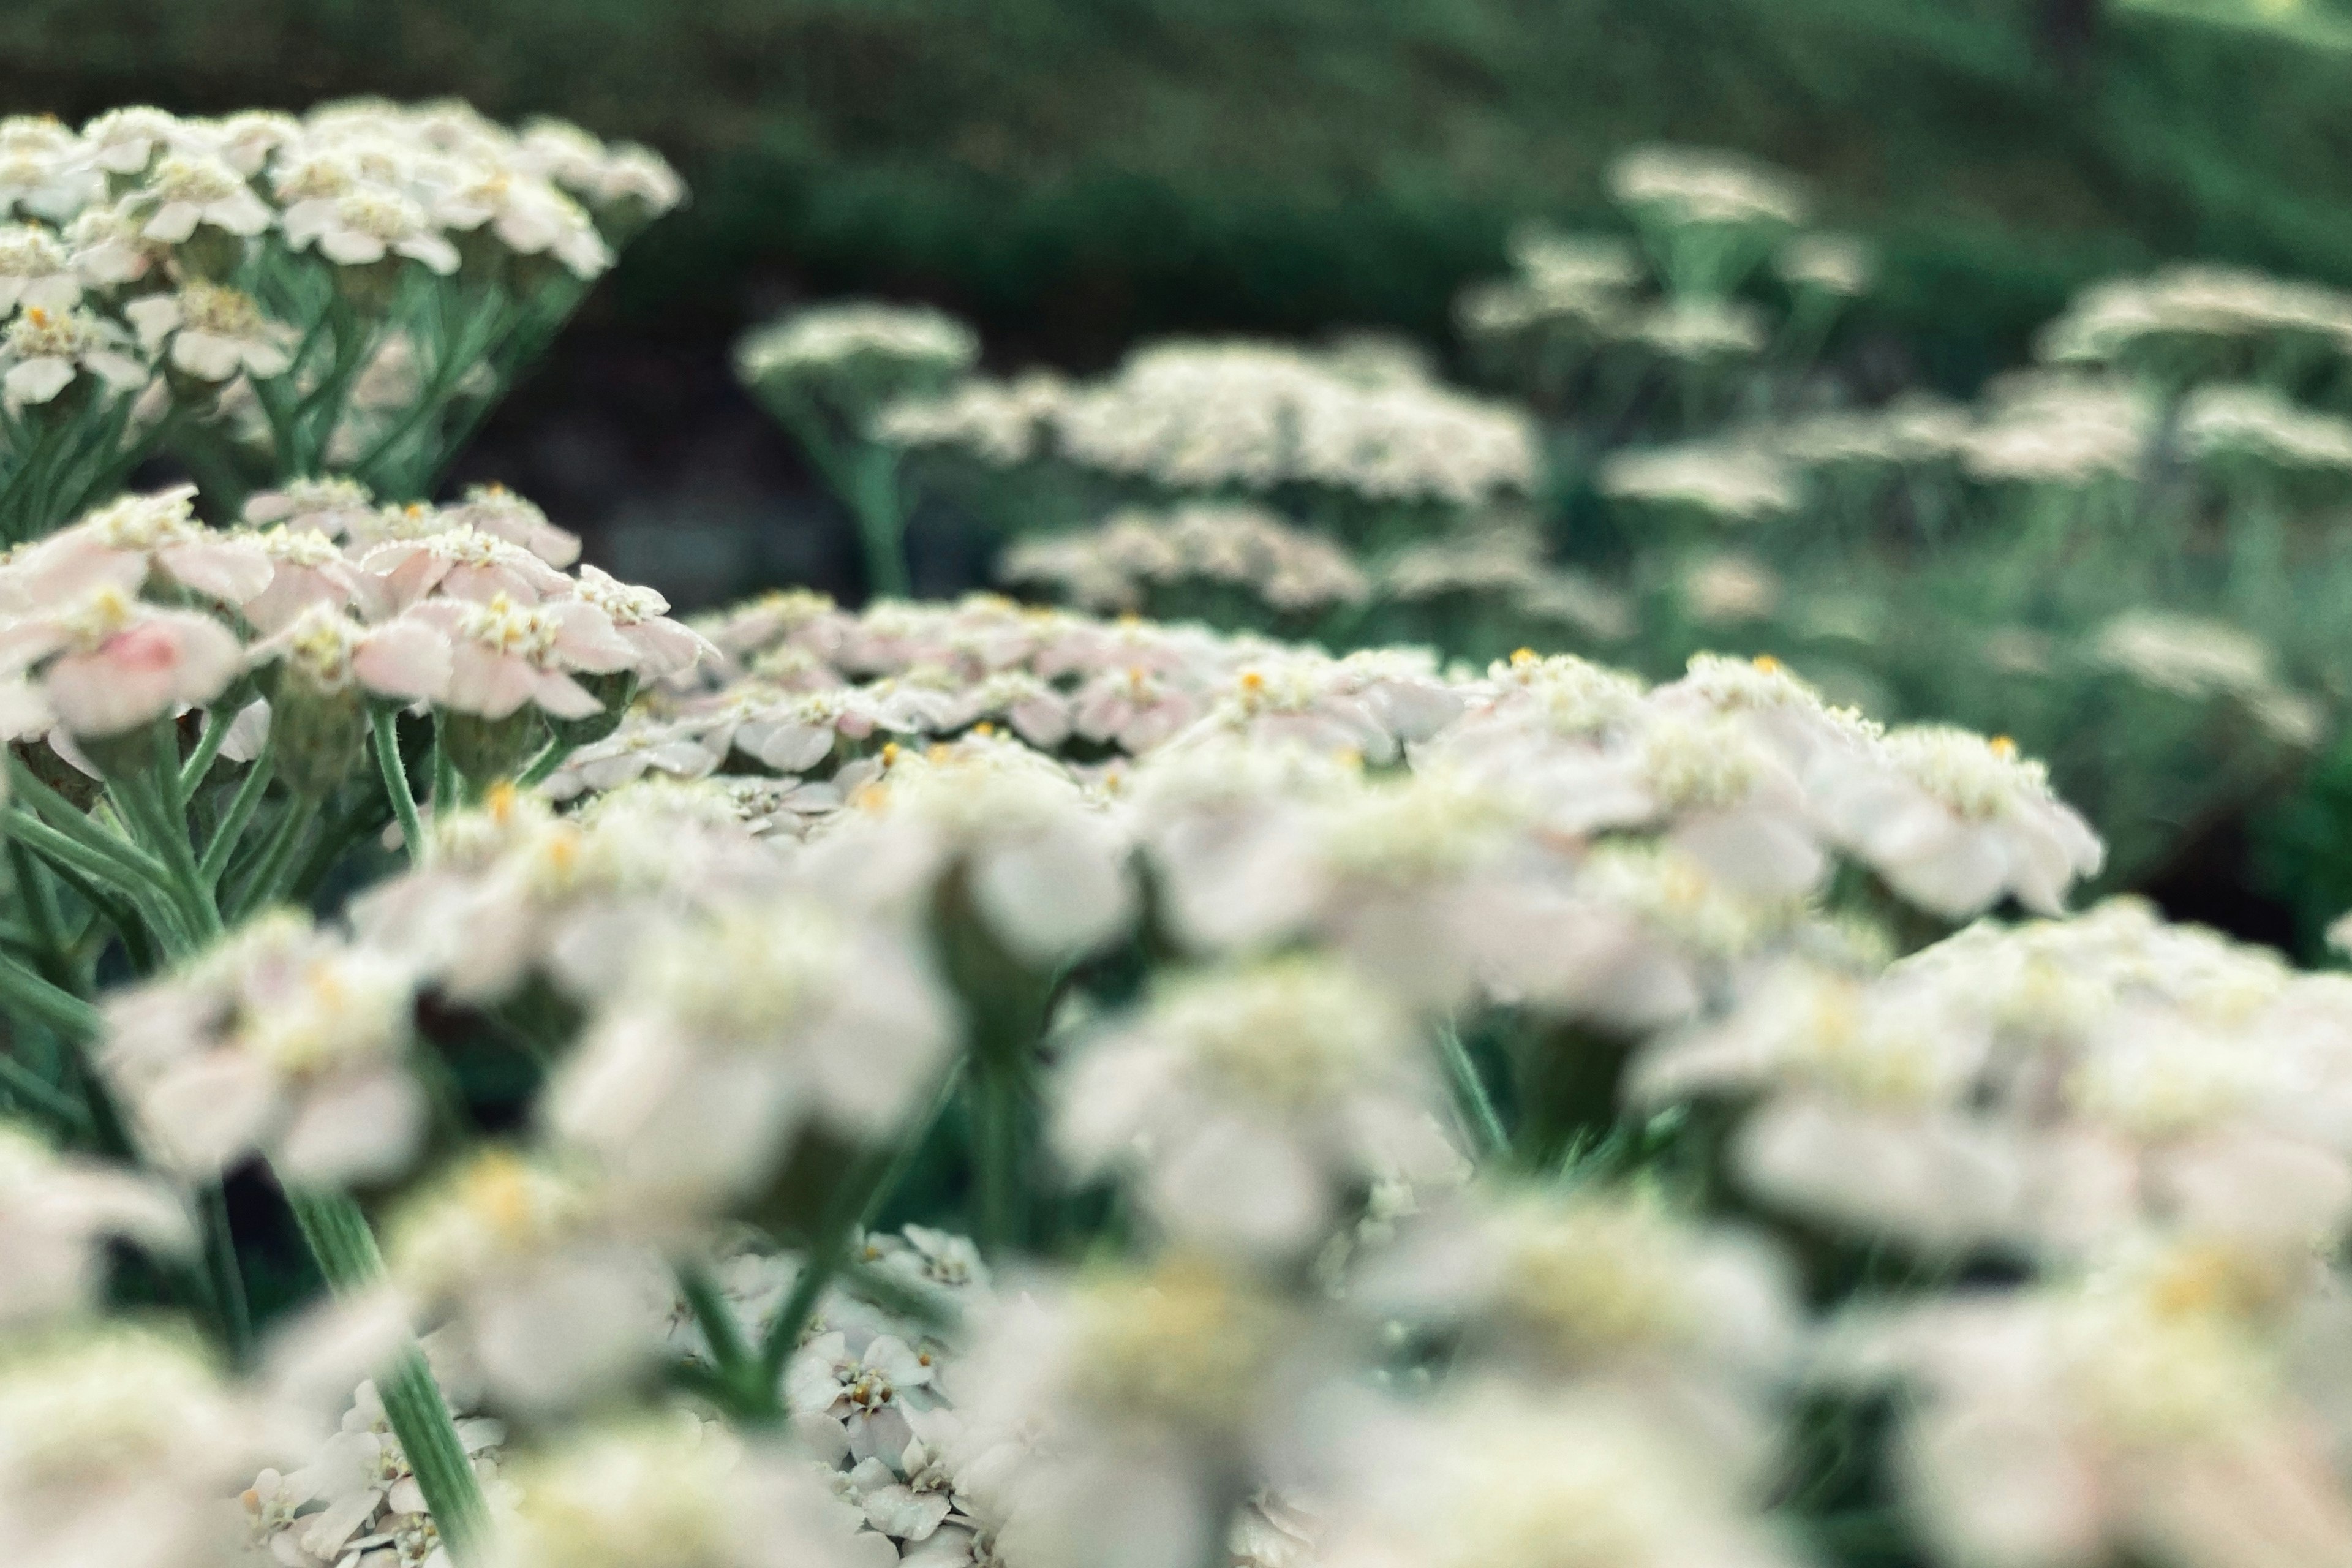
(1254, 1101)
(284, 1040)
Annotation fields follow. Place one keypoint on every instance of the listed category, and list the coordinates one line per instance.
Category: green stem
(103, 867)
(546, 762)
(339, 1237)
(227, 1275)
(1470, 1088)
(200, 761)
(853, 1205)
(730, 1354)
(385, 724)
(996, 1108)
(233, 822)
(267, 882)
(23, 992)
(148, 805)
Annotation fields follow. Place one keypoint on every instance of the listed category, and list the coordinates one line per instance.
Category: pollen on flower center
(517, 630)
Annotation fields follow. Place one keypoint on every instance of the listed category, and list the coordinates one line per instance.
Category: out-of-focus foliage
(1145, 164)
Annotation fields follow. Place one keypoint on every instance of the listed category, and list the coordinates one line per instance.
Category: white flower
(34, 269)
(729, 1035)
(1954, 821)
(46, 350)
(366, 224)
(678, 1493)
(212, 333)
(280, 1040)
(1146, 1394)
(518, 1265)
(1493, 1474)
(188, 189)
(1254, 1101)
(122, 1448)
(56, 1212)
(868, 1390)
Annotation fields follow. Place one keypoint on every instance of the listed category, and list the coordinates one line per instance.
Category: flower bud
(615, 690)
(484, 750)
(320, 728)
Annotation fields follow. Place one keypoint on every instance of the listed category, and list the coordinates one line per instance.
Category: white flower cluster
(154, 261)
(335, 601)
(1414, 943)
(856, 357)
(1136, 558)
(2199, 321)
(1249, 418)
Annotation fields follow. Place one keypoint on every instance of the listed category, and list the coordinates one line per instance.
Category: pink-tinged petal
(294, 590)
(480, 584)
(67, 567)
(230, 570)
(491, 684)
(208, 655)
(95, 694)
(407, 658)
(585, 639)
(556, 546)
(563, 697)
(667, 647)
(407, 572)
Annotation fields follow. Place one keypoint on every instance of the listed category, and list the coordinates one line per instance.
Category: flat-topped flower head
(499, 512)
(1722, 483)
(35, 269)
(688, 1495)
(281, 1039)
(1254, 1101)
(45, 351)
(212, 333)
(122, 1447)
(188, 189)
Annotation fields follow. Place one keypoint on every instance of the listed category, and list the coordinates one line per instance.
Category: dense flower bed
(977, 1083)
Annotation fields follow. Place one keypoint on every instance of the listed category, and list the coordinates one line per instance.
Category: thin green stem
(233, 822)
(28, 996)
(200, 760)
(386, 725)
(730, 1352)
(139, 797)
(30, 1088)
(265, 884)
(339, 1237)
(1470, 1089)
(854, 1204)
(227, 1275)
(101, 866)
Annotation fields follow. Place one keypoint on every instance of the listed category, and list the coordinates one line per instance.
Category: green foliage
(1150, 164)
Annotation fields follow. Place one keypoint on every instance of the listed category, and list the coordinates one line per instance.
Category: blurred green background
(1075, 175)
(1072, 174)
